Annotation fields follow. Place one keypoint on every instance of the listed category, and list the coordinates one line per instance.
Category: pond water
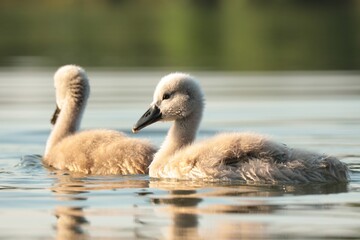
(317, 111)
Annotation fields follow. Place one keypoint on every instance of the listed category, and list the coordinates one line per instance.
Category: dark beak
(55, 115)
(152, 115)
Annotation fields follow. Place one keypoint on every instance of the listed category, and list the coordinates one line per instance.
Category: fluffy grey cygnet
(244, 156)
(99, 152)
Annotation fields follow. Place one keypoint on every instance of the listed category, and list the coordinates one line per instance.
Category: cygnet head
(72, 87)
(177, 97)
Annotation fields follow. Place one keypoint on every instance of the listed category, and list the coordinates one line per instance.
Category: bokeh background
(236, 35)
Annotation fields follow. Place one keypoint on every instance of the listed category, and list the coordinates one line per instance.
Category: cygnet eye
(166, 96)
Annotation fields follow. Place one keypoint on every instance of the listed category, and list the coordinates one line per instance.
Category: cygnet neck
(182, 133)
(67, 123)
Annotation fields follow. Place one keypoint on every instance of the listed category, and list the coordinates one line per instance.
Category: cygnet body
(98, 152)
(246, 156)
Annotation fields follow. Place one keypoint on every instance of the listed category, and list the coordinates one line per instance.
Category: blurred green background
(228, 35)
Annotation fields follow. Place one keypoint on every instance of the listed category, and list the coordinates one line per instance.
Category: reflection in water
(75, 183)
(183, 207)
(237, 188)
(70, 220)
(184, 223)
(188, 202)
(309, 189)
(70, 223)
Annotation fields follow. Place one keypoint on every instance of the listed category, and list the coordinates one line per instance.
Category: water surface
(317, 111)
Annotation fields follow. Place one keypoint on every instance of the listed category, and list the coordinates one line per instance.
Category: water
(317, 111)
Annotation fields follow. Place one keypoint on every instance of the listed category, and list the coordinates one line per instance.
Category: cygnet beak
(55, 115)
(153, 114)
